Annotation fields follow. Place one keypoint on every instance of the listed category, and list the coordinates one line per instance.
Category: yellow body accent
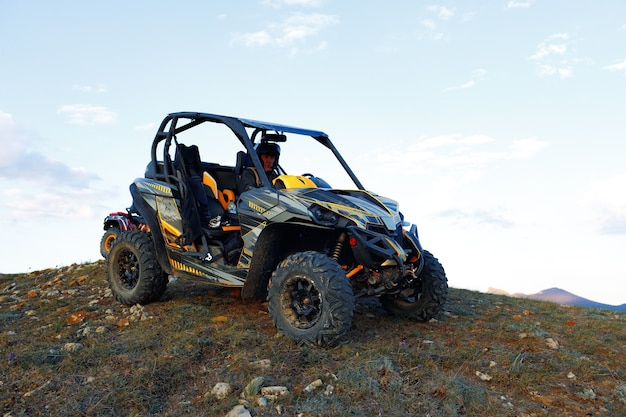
(182, 267)
(295, 181)
(256, 207)
(169, 228)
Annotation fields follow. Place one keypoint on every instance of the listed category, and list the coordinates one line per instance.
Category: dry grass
(196, 336)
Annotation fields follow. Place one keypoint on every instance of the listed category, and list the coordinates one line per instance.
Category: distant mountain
(559, 296)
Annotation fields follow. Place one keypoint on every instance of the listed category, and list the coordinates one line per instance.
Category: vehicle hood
(364, 208)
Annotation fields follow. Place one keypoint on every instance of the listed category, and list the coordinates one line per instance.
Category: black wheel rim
(128, 269)
(301, 302)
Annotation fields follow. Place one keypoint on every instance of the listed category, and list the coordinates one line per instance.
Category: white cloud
(90, 88)
(518, 4)
(148, 126)
(549, 70)
(288, 3)
(618, 66)
(429, 24)
(25, 205)
(87, 114)
(442, 12)
(463, 158)
(295, 29)
(525, 148)
(552, 57)
(463, 86)
(19, 163)
(549, 47)
(477, 75)
(608, 199)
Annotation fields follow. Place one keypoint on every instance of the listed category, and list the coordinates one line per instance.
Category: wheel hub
(301, 302)
(128, 269)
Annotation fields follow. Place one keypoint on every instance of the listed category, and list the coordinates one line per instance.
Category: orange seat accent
(223, 196)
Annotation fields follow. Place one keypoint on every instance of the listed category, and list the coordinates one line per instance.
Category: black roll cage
(238, 127)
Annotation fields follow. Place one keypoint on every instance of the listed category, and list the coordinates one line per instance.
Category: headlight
(323, 216)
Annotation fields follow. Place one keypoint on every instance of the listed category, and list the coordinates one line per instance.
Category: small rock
(552, 344)
(571, 375)
(274, 392)
(261, 364)
(221, 390)
(239, 411)
(483, 377)
(313, 385)
(329, 390)
(72, 347)
(493, 364)
(262, 402)
(101, 329)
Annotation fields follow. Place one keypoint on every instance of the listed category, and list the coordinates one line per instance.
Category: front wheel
(424, 297)
(133, 272)
(311, 300)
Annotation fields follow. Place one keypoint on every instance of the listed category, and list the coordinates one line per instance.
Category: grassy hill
(69, 348)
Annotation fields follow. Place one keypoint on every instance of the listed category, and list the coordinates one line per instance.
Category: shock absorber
(339, 246)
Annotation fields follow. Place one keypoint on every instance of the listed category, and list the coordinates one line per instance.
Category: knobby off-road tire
(430, 292)
(133, 271)
(107, 241)
(311, 300)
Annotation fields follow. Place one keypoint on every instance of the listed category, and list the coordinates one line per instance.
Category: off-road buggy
(309, 249)
(117, 222)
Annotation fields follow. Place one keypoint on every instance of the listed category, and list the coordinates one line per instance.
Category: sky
(498, 125)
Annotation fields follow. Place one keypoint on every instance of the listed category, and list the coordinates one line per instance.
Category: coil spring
(339, 246)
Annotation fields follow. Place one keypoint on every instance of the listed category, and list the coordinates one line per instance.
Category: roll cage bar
(174, 124)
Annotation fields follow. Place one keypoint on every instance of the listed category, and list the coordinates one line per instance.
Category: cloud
(550, 46)
(562, 72)
(280, 3)
(87, 114)
(518, 4)
(62, 203)
(431, 23)
(464, 158)
(89, 88)
(295, 29)
(609, 202)
(18, 163)
(491, 217)
(525, 148)
(552, 57)
(35, 185)
(477, 75)
(148, 126)
(442, 12)
(618, 66)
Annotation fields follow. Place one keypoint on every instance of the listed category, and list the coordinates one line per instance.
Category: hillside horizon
(560, 296)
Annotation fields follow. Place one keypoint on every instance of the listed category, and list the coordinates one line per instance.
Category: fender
(149, 216)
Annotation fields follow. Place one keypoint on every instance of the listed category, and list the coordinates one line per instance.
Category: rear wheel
(107, 241)
(133, 272)
(422, 298)
(311, 300)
